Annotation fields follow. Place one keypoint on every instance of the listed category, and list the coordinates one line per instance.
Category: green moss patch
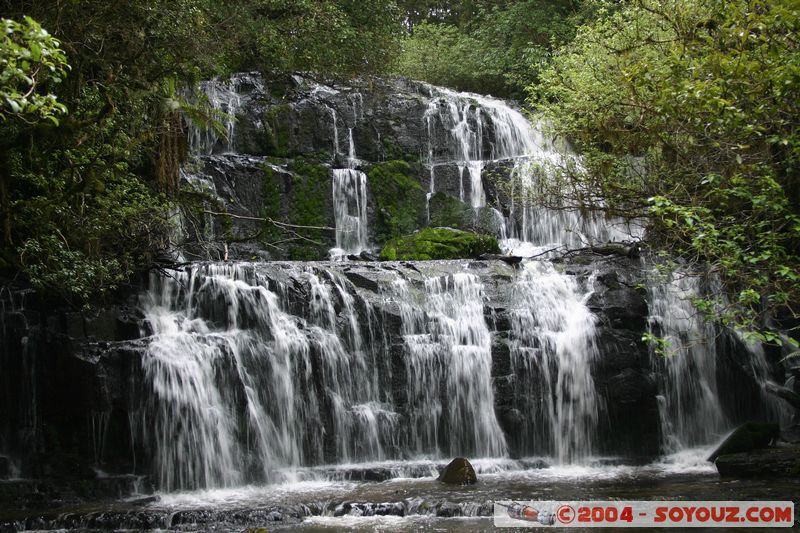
(301, 200)
(309, 207)
(276, 127)
(399, 199)
(271, 206)
(449, 212)
(439, 243)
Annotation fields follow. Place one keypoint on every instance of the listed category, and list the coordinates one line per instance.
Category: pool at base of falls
(412, 500)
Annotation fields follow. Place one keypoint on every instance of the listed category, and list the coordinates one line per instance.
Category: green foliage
(399, 199)
(31, 61)
(393, 152)
(439, 243)
(86, 250)
(660, 345)
(488, 47)
(687, 113)
(340, 37)
(271, 208)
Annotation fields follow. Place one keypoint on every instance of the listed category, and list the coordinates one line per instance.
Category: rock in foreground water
(458, 472)
(767, 463)
(747, 437)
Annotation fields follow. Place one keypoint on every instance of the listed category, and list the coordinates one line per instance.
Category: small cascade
(352, 160)
(471, 131)
(533, 228)
(692, 385)
(350, 211)
(448, 367)
(350, 205)
(552, 349)
(349, 196)
(690, 408)
(456, 307)
(360, 421)
(336, 149)
(463, 119)
(225, 99)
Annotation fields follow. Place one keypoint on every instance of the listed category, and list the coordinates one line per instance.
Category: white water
(349, 197)
(691, 406)
(472, 131)
(691, 412)
(552, 349)
(350, 211)
(240, 387)
(224, 98)
(247, 387)
(448, 368)
(244, 387)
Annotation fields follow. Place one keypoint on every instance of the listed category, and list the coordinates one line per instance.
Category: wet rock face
(376, 125)
(623, 374)
(458, 472)
(74, 391)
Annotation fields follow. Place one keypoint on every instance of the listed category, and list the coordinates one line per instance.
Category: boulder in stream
(458, 472)
(783, 462)
(747, 437)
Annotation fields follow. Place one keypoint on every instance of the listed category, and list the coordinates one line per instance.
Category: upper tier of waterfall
(482, 151)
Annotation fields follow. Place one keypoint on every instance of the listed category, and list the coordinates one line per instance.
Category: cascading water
(690, 380)
(350, 211)
(448, 363)
(552, 350)
(471, 131)
(223, 98)
(249, 377)
(240, 388)
(689, 402)
(349, 195)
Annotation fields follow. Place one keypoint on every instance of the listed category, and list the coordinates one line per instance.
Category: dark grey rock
(747, 437)
(768, 463)
(458, 472)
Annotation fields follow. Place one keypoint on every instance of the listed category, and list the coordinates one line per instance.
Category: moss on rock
(399, 199)
(450, 212)
(392, 151)
(439, 243)
(276, 127)
(271, 206)
(309, 207)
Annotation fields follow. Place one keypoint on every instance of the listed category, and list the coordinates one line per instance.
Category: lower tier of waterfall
(251, 371)
(222, 375)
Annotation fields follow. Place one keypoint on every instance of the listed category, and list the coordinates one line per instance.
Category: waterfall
(352, 160)
(691, 381)
(350, 211)
(456, 307)
(336, 149)
(239, 388)
(254, 370)
(349, 197)
(448, 367)
(472, 131)
(690, 408)
(224, 98)
(552, 349)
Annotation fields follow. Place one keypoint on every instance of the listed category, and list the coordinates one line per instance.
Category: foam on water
(251, 494)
